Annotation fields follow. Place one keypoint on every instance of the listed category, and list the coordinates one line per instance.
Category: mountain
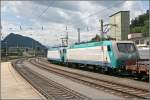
(14, 40)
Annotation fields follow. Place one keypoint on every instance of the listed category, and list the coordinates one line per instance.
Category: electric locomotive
(106, 55)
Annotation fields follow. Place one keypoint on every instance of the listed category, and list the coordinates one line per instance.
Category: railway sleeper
(122, 71)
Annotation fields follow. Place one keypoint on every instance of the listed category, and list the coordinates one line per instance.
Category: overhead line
(45, 9)
(97, 12)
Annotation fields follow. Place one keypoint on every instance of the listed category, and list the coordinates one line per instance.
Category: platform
(13, 86)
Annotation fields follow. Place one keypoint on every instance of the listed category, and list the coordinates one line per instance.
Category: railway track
(50, 89)
(108, 86)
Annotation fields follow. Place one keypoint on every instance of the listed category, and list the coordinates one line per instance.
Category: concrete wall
(125, 25)
(121, 30)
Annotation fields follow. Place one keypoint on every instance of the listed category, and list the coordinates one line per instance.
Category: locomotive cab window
(126, 47)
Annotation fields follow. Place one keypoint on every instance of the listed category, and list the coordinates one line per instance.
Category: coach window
(108, 48)
(64, 51)
(137, 42)
(142, 41)
(147, 43)
(60, 51)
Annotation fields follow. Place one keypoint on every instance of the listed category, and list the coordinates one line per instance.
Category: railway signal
(102, 29)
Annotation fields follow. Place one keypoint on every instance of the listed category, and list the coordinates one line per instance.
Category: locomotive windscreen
(126, 47)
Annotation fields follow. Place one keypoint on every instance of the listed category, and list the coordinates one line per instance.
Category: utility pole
(102, 34)
(6, 53)
(102, 29)
(78, 35)
(35, 49)
(63, 40)
(1, 37)
(66, 36)
(17, 51)
(32, 46)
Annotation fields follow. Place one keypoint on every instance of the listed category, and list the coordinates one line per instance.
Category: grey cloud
(108, 4)
(66, 5)
(76, 20)
(72, 10)
(53, 16)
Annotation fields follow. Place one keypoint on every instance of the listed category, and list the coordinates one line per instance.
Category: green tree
(140, 24)
(19, 52)
(137, 29)
(96, 38)
(145, 29)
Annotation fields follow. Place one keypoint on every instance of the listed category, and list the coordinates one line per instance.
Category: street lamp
(6, 53)
(33, 52)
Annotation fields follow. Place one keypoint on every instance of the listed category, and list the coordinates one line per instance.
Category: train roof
(89, 44)
(56, 48)
(123, 41)
(92, 44)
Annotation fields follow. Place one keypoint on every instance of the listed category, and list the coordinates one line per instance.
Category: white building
(139, 40)
(143, 44)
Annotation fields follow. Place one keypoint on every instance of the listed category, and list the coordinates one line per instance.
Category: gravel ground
(92, 93)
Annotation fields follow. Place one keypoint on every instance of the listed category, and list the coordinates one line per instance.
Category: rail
(125, 90)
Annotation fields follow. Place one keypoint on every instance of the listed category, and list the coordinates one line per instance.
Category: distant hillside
(14, 40)
(140, 24)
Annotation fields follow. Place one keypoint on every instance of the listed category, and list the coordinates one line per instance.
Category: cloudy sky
(28, 17)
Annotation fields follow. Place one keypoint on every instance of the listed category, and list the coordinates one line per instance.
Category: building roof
(139, 38)
(117, 13)
(135, 33)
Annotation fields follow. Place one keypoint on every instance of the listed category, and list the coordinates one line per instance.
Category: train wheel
(145, 78)
(66, 64)
(110, 71)
(139, 76)
(102, 70)
(73, 66)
